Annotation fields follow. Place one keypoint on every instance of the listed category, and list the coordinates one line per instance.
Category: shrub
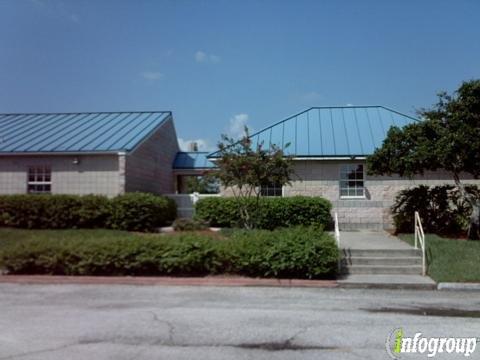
(133, 211)
(294, 252)
(187, 255)
(94, 211)
(185, 224)
(47, 211)
(440, 207)
(141, 212)
(275, 212)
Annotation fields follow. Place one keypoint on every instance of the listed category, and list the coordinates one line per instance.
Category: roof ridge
(345, 106)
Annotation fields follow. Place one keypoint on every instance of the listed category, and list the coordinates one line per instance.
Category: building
(191, 163)
(111, 153)
(105, 153)
(329, 146)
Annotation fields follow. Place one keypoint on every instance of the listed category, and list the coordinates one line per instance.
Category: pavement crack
(37, 352)
(170, 327)
(298, 333)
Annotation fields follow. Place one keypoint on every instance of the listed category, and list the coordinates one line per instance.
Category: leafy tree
(205, 184)
(244, 169)
(448, 137)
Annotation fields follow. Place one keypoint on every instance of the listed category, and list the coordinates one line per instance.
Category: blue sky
(220, 64)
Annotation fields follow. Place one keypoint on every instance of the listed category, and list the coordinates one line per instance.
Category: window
(39, 180)
(271, 190)
(352, 181)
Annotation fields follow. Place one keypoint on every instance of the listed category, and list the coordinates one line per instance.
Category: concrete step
(381, 252)
(402, 260)
(383, 269)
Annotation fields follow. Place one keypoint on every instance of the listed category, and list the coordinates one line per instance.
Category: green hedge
(297, 252)
(131, 211)
(440, 207)
(292, 253)
(273, 212)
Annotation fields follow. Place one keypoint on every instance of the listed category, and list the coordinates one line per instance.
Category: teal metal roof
(332, 131)
(192, 160)
(77, 132)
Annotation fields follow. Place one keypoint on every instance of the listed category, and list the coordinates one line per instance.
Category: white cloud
(236, 126)
(151, 75)
(203, 144)
(75, 18)
(202, 57)
(56, 9)
(349, 104)
(214, 59)
(311, 96)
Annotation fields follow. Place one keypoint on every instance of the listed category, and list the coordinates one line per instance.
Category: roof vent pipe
(193, 146)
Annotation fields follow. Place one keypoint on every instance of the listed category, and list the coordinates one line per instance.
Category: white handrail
(337, 230)
(420, 238)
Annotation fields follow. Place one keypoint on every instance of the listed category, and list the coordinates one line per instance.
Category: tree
(205, 184)
(243, 170)
(448, 137)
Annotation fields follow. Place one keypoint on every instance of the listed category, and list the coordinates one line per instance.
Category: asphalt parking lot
(175, 322)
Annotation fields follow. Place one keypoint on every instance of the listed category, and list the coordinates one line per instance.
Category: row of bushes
(290, 253)
(131, 211)
(274, 212)
(441, 208)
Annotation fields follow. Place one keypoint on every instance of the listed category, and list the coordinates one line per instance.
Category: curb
(459, 286)
(164, 281)
(385, 286)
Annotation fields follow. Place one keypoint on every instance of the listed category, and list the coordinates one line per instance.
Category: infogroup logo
(397, 343)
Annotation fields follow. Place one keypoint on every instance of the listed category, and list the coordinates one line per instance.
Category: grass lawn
(451, 260)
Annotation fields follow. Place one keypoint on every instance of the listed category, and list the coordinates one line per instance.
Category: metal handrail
(337, 239)
(337, 230)
(420, 238)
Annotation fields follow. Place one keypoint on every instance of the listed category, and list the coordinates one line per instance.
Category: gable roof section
(343, 131)
(196, 160)
(77, 132)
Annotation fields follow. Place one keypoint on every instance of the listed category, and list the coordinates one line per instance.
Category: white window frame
(40, 178)
(355, 180)
(275, 188)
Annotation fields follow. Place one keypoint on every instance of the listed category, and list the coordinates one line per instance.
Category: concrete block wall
(148, 168)
(321, 178)
(94, 174)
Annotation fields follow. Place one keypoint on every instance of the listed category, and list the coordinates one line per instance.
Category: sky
(220, 65)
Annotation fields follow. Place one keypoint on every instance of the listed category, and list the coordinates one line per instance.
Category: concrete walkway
(371, 240)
